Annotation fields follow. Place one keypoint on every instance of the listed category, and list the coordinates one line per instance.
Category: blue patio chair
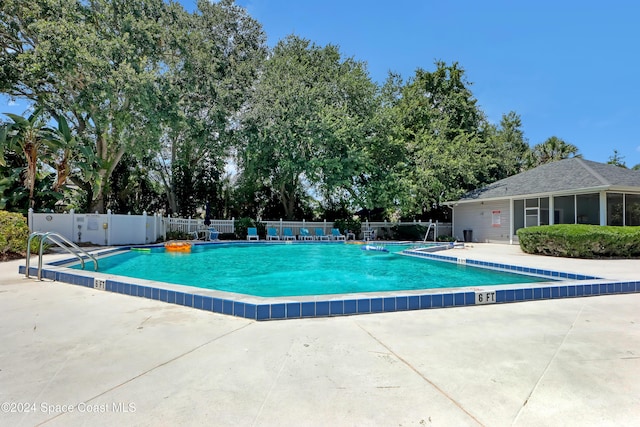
(252, 233)
(320, 234)
(288, 234)
(335, 233)
(213, 233)
(272, 234)
(304, 234)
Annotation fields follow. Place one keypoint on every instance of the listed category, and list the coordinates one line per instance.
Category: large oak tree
(308, 124)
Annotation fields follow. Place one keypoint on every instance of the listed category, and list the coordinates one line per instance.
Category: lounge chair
(199, 234)
(320, 234)
(272, 234)
(335, 233)
(304, 234)
(288, 234)
(213, 233)
(252, 233)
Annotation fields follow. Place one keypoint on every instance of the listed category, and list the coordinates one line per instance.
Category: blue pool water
(271, 270)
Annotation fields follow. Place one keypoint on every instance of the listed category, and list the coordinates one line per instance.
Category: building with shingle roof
(570, 191)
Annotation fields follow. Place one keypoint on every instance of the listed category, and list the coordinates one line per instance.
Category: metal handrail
(435, 232)
(57, 239)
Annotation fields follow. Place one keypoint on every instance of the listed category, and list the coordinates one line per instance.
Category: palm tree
(64, 148)
(28, 135)
(553, 149)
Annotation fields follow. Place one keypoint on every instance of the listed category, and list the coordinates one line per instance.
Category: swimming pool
(558, 285)
(281, 270)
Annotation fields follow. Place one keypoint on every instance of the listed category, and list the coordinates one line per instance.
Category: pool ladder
(426, 235)
(64, 243)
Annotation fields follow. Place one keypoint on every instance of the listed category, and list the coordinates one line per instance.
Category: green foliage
(14, 233)
(28, 136)
(377, 181)
(119, 77)
(179, 235)
(444, 136)
(132, 188)
(413, 232)
(152, 101)
(14, 196)
(221, 48)
(307, 123)
(242, 224)
(617, 159)
(93, 62)
(511, 150)
(581, 241)
(553, 149)
(351, 224)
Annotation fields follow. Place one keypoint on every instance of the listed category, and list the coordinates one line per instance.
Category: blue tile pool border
(563, 285)
(553, 275)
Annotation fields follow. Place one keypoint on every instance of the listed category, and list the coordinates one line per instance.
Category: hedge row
(581, 241)
(14, 233)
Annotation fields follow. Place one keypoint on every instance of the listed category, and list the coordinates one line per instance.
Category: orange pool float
(178, 246)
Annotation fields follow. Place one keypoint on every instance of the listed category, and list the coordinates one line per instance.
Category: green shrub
(353, 225)
(14, 233)
(262, 230)
(385, 233)
(242, 224)
(408, 232)
(179, 235)
(581, 241)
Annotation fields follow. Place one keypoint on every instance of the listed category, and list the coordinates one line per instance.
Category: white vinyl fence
(382, 228)
(101, 229)
(114, 229)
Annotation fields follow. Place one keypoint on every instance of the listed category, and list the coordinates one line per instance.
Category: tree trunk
(31, 152)
(97, 204)
(288, 200)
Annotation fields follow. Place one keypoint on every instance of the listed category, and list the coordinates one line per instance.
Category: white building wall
(489, 221)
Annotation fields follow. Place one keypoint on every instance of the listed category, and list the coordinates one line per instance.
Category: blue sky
(568, 68)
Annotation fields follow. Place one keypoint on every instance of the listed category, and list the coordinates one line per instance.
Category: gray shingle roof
(564, 175)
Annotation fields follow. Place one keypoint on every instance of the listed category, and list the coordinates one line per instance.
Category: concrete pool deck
(113, 359)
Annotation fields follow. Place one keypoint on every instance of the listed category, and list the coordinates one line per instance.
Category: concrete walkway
(71, 356)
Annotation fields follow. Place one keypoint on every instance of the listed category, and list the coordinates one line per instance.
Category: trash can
(468, 235)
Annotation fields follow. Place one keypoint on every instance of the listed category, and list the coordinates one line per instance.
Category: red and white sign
(495, 218)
